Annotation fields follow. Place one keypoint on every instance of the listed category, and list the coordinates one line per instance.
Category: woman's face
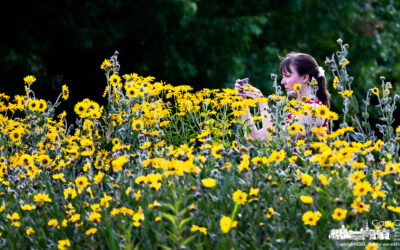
(290, 79)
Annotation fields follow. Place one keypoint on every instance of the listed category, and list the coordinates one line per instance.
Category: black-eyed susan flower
(65, 92)
(29, 79)
(346, 93)
(339, 214)
(94, 217)
(226, 224)
(322, 111)
(208, 182)
(306, 179)
(81, 182)
(297, 87)
(322, 178)
(138, 124)
(42, 106)
(344, 63)
(33, 105)
(119, 162)
(69, 193)
(80, 109)
(240, 197)
(52, 223)
(115, 80)
(335, 81)
(306, 199)
(195, 228)
(106, 65)
(132, 92)
(357, 176)
(311, 218)
(375, 91)
(63, 244)
(42, 198)
(29, 231)
(362, 188)
(91, 231)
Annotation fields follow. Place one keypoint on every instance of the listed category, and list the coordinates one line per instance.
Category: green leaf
(169, 217)
(189, 239)
(184, 221)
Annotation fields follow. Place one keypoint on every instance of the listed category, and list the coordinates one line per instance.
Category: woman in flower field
(297, 69)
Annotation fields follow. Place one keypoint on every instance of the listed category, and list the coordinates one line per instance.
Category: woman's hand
(247, 91)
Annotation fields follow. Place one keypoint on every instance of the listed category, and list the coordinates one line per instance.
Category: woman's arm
(263, 106)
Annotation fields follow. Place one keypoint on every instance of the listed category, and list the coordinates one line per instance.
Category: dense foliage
(164, 166)
(207, 44)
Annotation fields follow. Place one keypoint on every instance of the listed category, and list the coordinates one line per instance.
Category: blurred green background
(203, 43)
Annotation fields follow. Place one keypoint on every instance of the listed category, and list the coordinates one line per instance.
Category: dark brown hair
(307, 65)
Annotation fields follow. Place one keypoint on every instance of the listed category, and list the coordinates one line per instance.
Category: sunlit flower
(240, 197)
(339, 214)
(65, 92)
(29, 79)
(226, 224)
(208, 182)
(311, 218)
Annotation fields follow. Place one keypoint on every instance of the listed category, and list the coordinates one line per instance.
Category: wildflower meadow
(163, 166)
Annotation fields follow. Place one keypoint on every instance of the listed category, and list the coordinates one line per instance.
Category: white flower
(321, 71)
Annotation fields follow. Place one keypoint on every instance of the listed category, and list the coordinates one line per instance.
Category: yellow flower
(297, 87)
(70, 192)
(372, 246)
(362, 188)
(115, 80)
(65, 92)
(74, 218)
(346, 93)
(322, 179)
(63, 244)
(28, 207)
(146, 145)
(335, 81)
(306, 199)
(339, 214)
(240, 197)
(52, 223)
(344, 63)
(306, 179)
(13, 217)
(357, 176)
(333, 116)
(270, 212)
(254, 191)
(98, 178)
(208, 182)
(132, 92)
(358, 165)
(322, 111)
(95, 217)
(137, 124)
(226, 224)
(29, 79)
(81, 182)
(42, 198)
(118, 163)
(30, 231)
(311, 218)
(195, 228)
(154, 205)
(91, 231)
(375, 91)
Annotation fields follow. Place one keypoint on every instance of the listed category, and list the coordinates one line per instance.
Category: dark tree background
(203, 43)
